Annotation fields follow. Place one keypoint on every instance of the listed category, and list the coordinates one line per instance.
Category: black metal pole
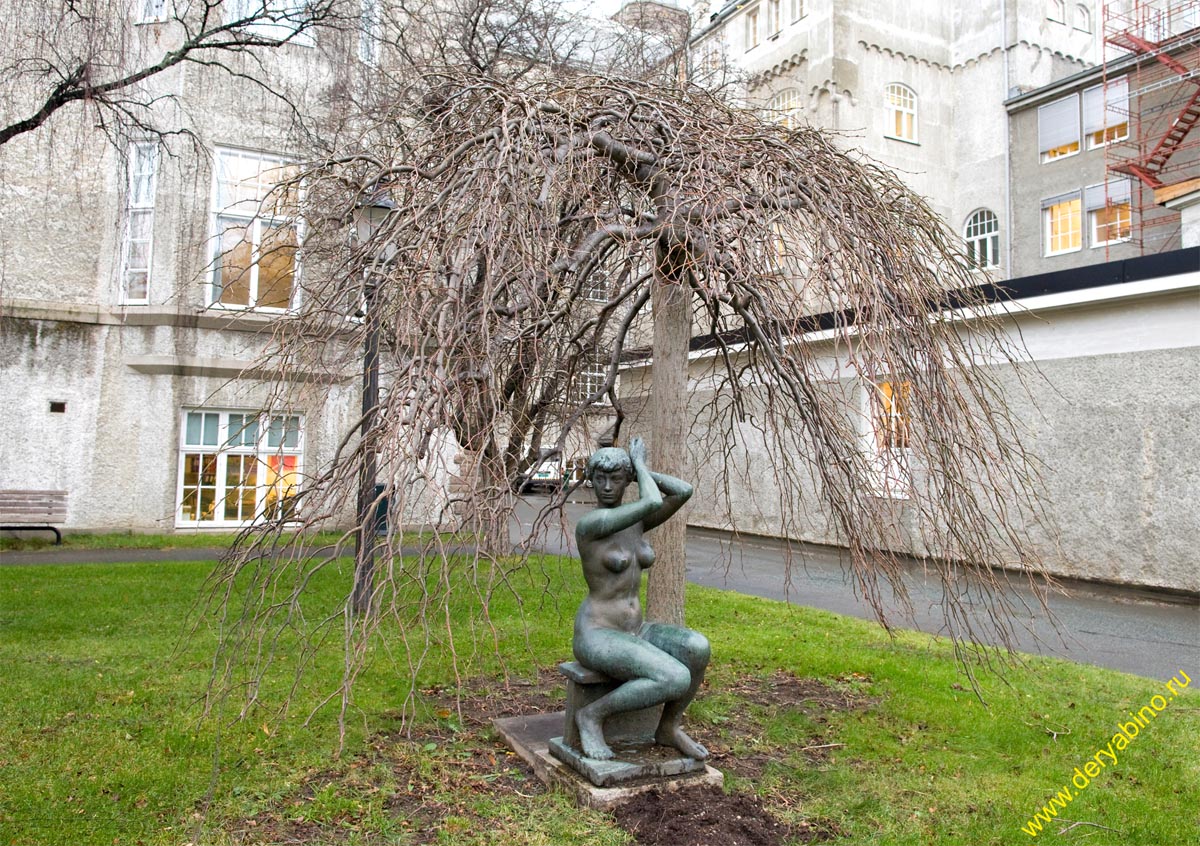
(364, 546)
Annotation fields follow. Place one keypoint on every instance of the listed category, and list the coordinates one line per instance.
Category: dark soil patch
(784, 690)
(708, 816)
(481, 701)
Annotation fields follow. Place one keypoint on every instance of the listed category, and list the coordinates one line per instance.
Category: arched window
(901, 104)
(1083, 18)
(1057, 11)
(982, 235)
(785, 107)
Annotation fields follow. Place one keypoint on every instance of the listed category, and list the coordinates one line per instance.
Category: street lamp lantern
(370, 219)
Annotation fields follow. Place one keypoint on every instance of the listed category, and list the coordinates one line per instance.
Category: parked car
(546, 477)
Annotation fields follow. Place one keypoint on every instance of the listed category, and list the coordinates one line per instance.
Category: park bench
(22, 510)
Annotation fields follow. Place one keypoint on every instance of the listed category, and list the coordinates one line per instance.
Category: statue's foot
(674, 736)
(591, 737)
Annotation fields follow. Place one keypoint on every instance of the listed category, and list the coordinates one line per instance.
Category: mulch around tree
(705, 816)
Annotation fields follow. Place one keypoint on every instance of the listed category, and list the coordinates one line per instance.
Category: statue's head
(610, 471)
(608, 458)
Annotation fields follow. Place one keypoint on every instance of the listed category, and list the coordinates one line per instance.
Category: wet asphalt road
(1125, 629)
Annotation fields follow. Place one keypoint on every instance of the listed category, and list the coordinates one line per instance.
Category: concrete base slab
(530, 738)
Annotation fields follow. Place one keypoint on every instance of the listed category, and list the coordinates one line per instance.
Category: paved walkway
(1137, 631)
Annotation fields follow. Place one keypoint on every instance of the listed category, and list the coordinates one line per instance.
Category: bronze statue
(656, 663)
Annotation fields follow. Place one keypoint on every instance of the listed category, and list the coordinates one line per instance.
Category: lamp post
(369, 219)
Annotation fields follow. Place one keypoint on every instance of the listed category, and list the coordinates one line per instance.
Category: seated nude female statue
(657, 663)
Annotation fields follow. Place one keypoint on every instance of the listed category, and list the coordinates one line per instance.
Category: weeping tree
(536, 232)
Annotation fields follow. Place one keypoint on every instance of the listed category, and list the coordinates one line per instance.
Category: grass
(102, 740)
(31, 541)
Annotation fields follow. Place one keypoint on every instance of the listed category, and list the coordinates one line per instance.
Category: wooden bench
(23, 510)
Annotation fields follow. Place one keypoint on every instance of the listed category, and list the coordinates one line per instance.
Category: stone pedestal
(630, 735)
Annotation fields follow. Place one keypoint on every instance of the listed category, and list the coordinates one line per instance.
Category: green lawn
(102, 739)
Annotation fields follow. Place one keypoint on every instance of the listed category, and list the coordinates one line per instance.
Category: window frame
(890, 463)
(141, 207)
(370, 33)
(256, 223)
(1122, 187)
(1070, 148)
(588, 379)
(897, 111)
(230, 445)
(785, 107)
(974, 235)
(774, 18)
(1059, 8)
(284, 21)
(1048, 206)
(753, 27)
(159, 16)
(1108, 136)
(1081, 11)
(798, 11)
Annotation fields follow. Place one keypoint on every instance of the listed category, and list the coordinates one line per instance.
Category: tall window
(982, 235)
(1106, 112)
(237, 466)
(753, 35)
(774, 17)
(1109, 211)
(255, 225)
(595, 287)
(891, 435)
(1056, 11)
(150, 11)
(797, 9)
(370, 32)
(138, 239)
(279, 20)
(901, 104)
(1061, 225)
(1058, 128)
(1083, 18)
(785, 107)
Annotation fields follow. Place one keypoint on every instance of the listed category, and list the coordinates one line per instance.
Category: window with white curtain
(277, 20)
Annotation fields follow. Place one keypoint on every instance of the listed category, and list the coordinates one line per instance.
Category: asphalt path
(1136, 631)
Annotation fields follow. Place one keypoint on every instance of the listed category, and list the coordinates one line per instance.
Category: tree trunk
(668, 433)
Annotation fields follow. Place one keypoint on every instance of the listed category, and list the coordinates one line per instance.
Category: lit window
(774, 17)
(901, 105)
(797, 9)
(139, 223)
(1083, 18)
(1109, 210)
(785, 107)
(236, 467)
(256, 237)
(275, 20)
(752, 29)
(150, 11)
(1058, 128)
(1057, 11)
(890, 436)
(982, 235)
(1061, 224)
(1106, 113)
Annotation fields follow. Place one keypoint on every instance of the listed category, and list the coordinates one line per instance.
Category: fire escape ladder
(1148, 168)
